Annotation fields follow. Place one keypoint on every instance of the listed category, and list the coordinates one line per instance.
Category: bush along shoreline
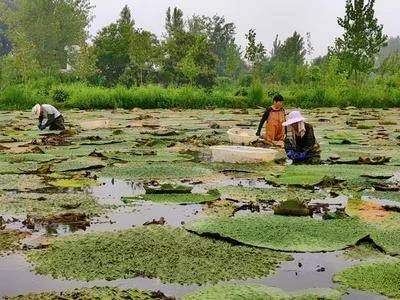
(20, 97)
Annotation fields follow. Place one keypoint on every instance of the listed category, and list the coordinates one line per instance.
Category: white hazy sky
(268, 17)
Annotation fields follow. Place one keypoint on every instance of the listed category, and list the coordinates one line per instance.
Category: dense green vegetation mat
(259, 292)
(302, 234)
(172, 255)
(382, 278)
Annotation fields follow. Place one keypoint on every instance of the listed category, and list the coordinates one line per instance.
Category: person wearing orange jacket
(273, 118)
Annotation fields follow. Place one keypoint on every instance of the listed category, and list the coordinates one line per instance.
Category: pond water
(193, 135)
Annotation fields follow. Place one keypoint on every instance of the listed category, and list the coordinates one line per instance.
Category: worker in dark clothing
(273, 118)
(301, 144)
(54, 119)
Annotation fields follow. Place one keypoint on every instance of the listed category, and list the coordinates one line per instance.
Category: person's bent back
(49, 117)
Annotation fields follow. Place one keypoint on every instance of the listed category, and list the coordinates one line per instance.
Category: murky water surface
(307, 270)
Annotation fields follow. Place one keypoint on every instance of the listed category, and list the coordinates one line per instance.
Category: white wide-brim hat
(36, 110)
(293, 118)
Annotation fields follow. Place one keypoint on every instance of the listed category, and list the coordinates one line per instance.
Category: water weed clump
(172, 255)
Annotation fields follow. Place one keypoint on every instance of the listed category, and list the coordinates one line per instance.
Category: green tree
(291, 51)
(221, 37)
(57, 24)
(112, 47)
(85, 68)
(362, 40)
(199, 65)
(22, 66)
(255, 53)
(189, 68)
(145, 57)
(175, 47)
(233, 61)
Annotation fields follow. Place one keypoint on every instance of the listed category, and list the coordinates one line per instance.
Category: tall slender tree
(255, 53)
(362, 40)
(112, 47)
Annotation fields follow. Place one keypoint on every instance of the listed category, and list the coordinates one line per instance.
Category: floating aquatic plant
(380, 277)
(302, 234)
(260, 292)
(172, 255)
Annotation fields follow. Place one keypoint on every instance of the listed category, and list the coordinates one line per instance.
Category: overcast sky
(268, 17)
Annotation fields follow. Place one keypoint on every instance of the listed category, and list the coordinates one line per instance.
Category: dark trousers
(57, 124)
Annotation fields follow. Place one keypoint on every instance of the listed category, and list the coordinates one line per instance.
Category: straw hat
(294, 117)
(36, 110)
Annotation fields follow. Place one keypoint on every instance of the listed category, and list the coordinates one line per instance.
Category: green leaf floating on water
(79, 164)
(309, 175)
(299, 234)
(260, 292)
(381, 277)
(20, 182)
(345, 137)
(93, 293)
(15, 158)
(42, 205)
(160, 156)
(155, 171)
(176, 198)
(73, 183)
(170, 254)
(384, 227)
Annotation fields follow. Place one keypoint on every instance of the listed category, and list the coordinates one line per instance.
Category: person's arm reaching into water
(263, 120)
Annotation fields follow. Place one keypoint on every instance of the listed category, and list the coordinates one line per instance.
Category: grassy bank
(303, 96)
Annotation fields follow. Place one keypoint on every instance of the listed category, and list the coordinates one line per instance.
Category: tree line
(39, 38)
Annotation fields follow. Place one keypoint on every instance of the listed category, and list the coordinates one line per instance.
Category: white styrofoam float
(241, 154)
(241, 136)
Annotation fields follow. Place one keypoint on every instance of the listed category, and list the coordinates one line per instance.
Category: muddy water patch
(110, 191)
(142, 212)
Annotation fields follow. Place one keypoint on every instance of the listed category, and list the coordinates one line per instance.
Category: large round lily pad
(300, 234)
(173, 255)
(176, 198)
(384, 226)
(79, 164)
(41, 205)
(259, 292)
(148, 171)
(310, 175)
(382, 278)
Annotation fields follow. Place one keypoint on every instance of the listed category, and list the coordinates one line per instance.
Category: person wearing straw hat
(50, 114)
(300, 144)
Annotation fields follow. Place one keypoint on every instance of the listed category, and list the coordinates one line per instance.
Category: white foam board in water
(241, 154)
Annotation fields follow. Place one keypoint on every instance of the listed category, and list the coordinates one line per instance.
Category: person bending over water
(301, 144)
(46, 112)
